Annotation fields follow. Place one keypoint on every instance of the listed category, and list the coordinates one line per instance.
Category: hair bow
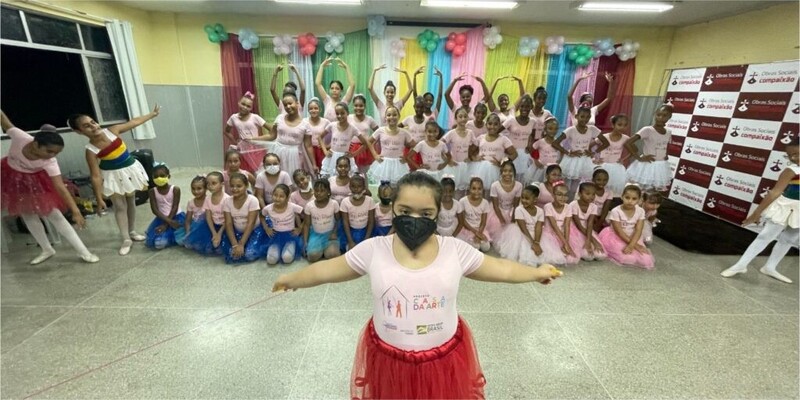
(558, 183)
(233, 147)
(249, 95)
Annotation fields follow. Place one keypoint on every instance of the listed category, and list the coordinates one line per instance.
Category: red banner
(729, 129)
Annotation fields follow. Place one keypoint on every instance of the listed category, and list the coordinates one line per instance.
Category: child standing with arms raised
(441, 363)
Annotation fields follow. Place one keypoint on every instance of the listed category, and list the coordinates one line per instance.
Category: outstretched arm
(507, 271)
(351, 82)
(117, 129)
(371, 86)
(334, 270)
(410, 84)
(612, 92)
(273, 85)
(323, 95)
(300, 82)
(570, 101)
(449, 90)
(5, 123)
(441, 85)
(486, 95)
(491, 91)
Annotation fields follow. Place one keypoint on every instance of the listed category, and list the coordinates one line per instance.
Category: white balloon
(329, 35)
(246, 46)
(524, 41)
(276, 41)
(552, 48)
(624, 57)
(339, 48)
(560, 40)
(628, 47)
(340, 36)
(335, 42)
(534, 44)
(254, 44)
(329, 47)
(401, 54)
(549, 40)
(597, 53)
(487, 41)
(632, 54)
(499, 39)
(609, 51)
(636, 46)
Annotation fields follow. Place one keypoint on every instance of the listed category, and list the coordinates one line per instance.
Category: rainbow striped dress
(785, 210)
(122, 174)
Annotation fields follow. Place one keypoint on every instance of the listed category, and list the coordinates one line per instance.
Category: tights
(36, 228)
(786, 238)
(125, 214)
(274, 253)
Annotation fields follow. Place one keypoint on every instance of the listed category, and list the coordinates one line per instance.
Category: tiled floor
(602, 331)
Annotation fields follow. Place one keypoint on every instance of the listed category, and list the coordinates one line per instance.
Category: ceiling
(685, 12)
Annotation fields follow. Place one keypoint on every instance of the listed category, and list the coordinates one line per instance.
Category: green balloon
(581, 60)
(431, 46)
(435, 36)
(213, 37)
(420, 36)
(224, 36)
(572, 55)
(586, 51)
(208, 28)
(423, 43)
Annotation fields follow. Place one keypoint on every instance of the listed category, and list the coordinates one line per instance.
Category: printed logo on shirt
(424, 302)
(425, 329)
(395, 303)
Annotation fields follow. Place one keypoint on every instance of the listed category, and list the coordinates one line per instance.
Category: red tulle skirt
(28, 193)
(417, 158)
(364, 159)
(450, 371)
(318, 156)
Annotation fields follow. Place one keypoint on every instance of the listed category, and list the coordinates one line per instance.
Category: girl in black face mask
(383, 212)
(415, 345)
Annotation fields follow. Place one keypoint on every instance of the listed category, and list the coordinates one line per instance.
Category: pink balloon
(302, 40)
(309, 49)
(461, 38)
(450, 45)
(451, 36)
(458, 51)
(312, 39)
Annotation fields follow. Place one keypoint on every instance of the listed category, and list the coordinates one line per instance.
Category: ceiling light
(323, 2)
(624, 6)
(487, 4)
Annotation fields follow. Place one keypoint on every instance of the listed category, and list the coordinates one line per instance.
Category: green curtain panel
(357, 55)
(264, 62)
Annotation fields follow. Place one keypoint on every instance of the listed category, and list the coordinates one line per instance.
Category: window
(52, 68)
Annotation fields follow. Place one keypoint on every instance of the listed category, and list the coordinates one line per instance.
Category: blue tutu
(381, 230)
(200, 238)
(254, 249)
(358, 236)
(164, 239)
(317, 242)
(281, 239)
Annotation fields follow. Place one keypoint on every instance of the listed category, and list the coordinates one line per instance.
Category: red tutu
(417, 158)
(450, 371)
(28, 193)
(318, 156)
(364, 159)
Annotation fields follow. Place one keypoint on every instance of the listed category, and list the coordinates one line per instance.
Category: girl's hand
(437, 72)
(101, 206)
(586, 75)
(270, 232)
(461, 77)
(478, 78)
(452, 163)
(328, 154)
(495, 162)
(502, 220)
(402, 71)
(238, 251)
(327, 61)
(342, 63)
(647, 158)
(297, 231)
(754, 218)
(574, 154)
(350, 244)
(379, 68)
(628, 249)
(379, 158)
(588, 153)
(568, 250)
(425, 166)
(481, 236)
(216, 240)
(156, 110)
(283, 284)
(420, 70)
(641, 249)
(79, 220)
(537, 249)
(609, 77)
(279, 68)
(174, 224)
(547, 273)
(293, 67)
(588, 247)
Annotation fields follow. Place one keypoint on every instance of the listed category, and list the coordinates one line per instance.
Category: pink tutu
(577, 240)
(614, 246)
(551, 249)
(493, 225)
(469, 237)
(28, 193)
(512, 244)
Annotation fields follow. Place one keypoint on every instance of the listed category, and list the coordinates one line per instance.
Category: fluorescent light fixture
(485, 4)
(655, 7)
(322, 2)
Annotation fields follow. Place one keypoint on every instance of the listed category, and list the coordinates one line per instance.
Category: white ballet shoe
(90, 258)
(126, 247)
(732, 271)
(43, 257)
(137, 237)
(775, 274)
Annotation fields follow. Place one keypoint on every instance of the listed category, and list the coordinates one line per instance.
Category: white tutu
(391, 169)
(461, 173)
(617, 176)
(533, 175)
(435, 174)
(329, 164)
(291, 158)
(446, 231)
(485, 170)
(784, 211)
(577, 167)
(656, 174)
(125, 180)
(512, 244)
(522, 162)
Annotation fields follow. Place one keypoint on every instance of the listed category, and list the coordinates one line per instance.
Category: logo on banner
(724, 79)
(762, 106)
(682, 102)
(726, 207)
(679, 124)
(743, 159)
(763, 190)
(687, 79)
(786, 133)
(753, 77)
(777, 166)
(694, 173)
(753, 133)
(675, 145)
(709, 128)
(702, 151)
(777, 162)
(736, 184)
(716, 104)
(735, 131)
(688, 194)
(775, 77)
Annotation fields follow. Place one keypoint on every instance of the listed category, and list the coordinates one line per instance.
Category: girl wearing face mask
(415, 264)
(391, 164)
(357, 213)
(206, 237)
(270, 178)
(383, 212)
(281, 222)
(303, 192)
(165, 201)
(32, 188)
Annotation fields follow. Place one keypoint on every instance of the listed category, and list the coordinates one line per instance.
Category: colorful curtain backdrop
(264, 63)
(442, 60)
(536, 75)
(357, 55)
(237, 78)
(624, 75)
(415, 58)
(306, 71)
(560, 75)
(381, 53)
(472, 62)
(585, 85)
(505, 61)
